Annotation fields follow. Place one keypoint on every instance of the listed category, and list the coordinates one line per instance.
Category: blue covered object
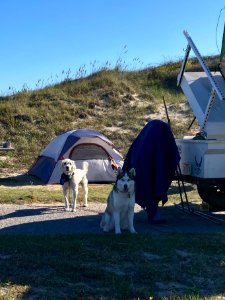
(155, 157)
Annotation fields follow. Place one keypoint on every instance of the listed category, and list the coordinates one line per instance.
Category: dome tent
(78, 145)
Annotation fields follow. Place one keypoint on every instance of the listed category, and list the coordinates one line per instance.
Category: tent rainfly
(78, 145)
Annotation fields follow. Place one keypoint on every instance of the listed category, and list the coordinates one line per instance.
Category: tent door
(100, 168)
(88, 151)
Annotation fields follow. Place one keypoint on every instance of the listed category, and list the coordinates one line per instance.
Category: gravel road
(52, 219)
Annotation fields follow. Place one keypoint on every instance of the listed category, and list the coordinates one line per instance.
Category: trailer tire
(213, 195)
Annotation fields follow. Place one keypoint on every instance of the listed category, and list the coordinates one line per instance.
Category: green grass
(172, 266)
(25, 189)
(53, 194)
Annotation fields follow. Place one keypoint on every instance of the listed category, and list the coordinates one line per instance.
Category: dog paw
(67, 209)
(74, 210)
(132, 230)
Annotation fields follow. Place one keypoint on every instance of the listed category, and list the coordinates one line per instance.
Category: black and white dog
(70, 179)
(119, 213)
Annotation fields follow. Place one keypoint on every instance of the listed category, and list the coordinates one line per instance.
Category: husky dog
(70, 179)
(119, 213)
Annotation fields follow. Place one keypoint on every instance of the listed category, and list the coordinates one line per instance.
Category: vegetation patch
(112, 267)
(102, 100)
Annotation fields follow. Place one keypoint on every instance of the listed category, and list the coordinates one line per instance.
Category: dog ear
(132, 173)
(119, 173)
(61, 165)
(73, 164)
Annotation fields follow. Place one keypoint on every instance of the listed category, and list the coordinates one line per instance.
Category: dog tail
(85, 166)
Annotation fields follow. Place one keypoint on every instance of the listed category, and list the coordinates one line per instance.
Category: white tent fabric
(54, 148)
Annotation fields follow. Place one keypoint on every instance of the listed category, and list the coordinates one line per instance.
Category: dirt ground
(52, 219)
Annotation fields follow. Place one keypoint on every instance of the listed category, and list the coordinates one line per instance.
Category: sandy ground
(52, 219)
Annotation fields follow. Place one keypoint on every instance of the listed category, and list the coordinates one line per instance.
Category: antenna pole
(167, 115)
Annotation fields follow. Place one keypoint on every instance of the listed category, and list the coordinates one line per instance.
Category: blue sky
(44, 40)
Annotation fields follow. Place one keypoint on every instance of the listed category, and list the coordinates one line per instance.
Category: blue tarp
(155, 157)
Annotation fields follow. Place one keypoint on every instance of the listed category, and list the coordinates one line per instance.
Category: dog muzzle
(125, 188)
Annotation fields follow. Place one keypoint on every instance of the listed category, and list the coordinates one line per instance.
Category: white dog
(119, 213)
(70, 180)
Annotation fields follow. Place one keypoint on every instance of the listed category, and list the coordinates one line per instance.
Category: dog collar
(70, 176)
(65, 178)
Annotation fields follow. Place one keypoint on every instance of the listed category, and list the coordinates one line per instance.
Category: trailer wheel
(213, 195)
